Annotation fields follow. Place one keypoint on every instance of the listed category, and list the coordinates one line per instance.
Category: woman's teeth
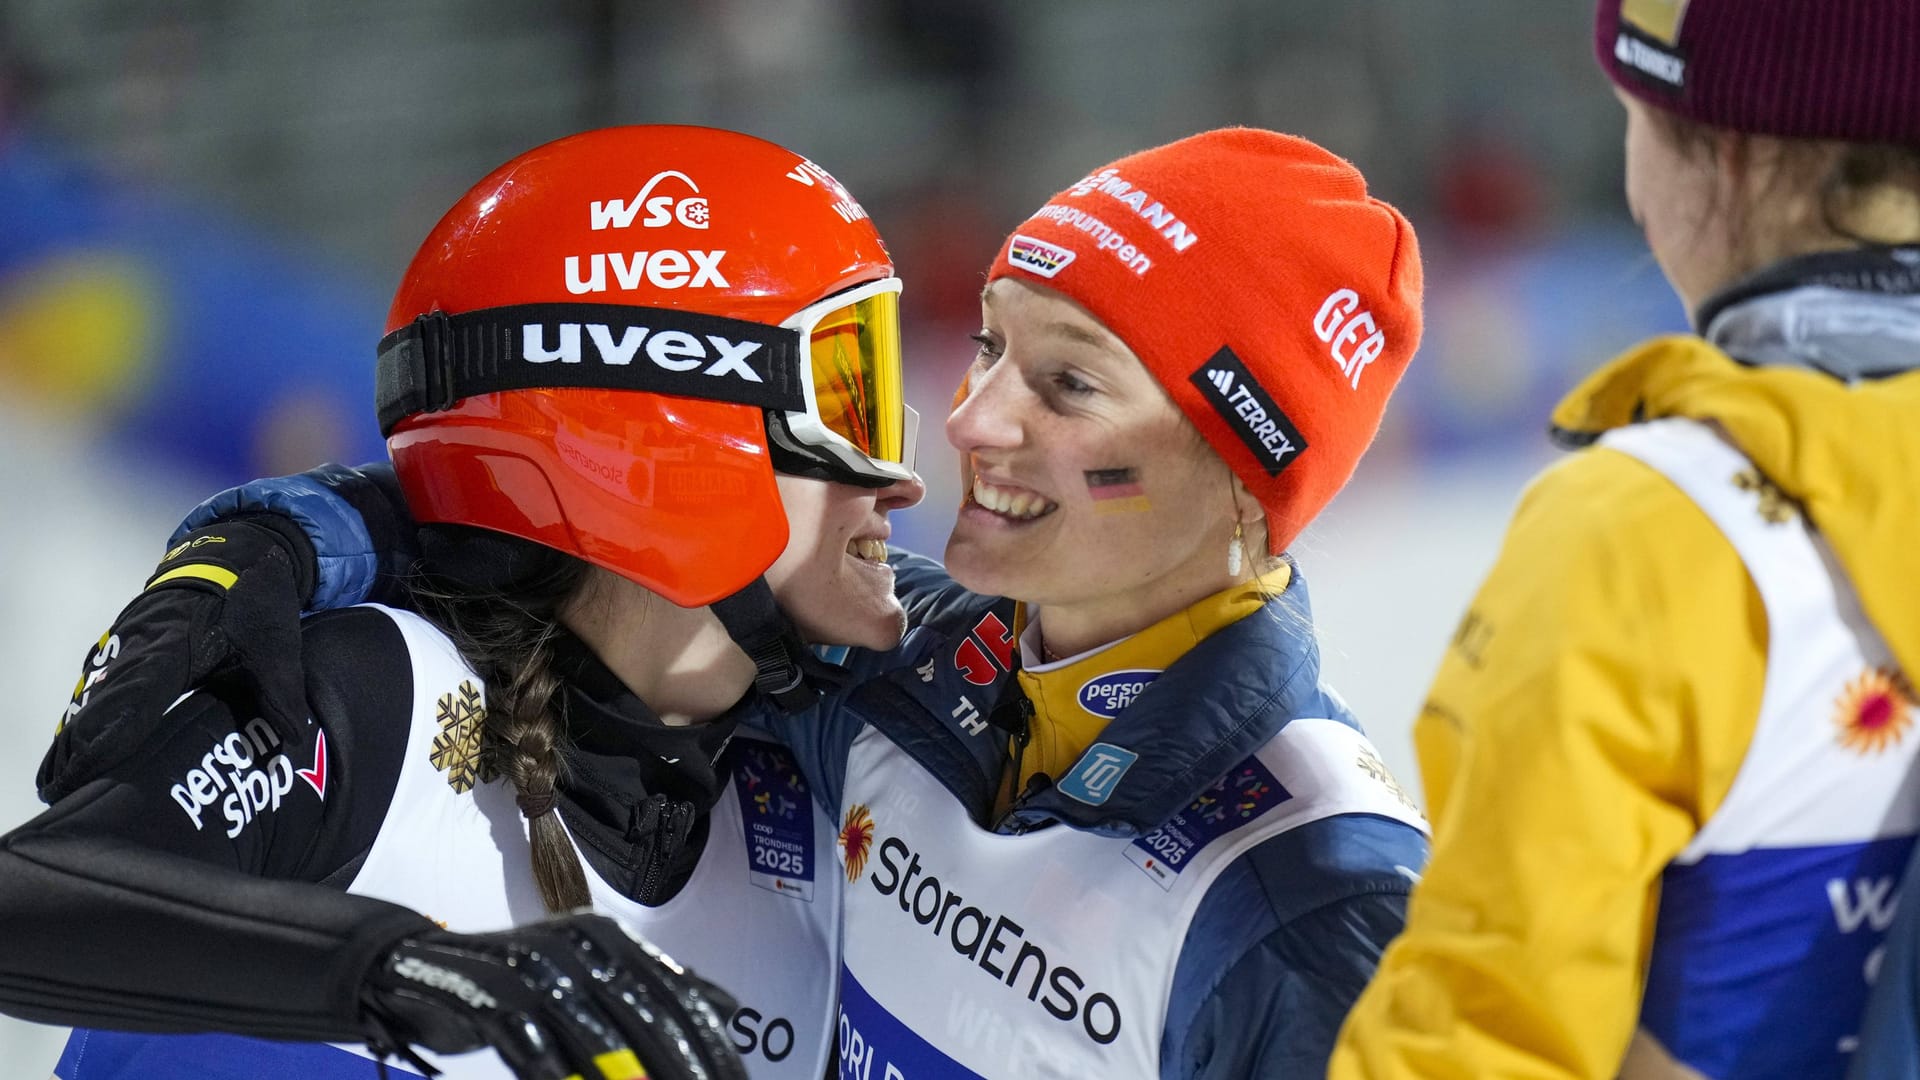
(1021, 505)
(870, 550)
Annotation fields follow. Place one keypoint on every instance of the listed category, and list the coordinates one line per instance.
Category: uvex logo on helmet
(662, 210)
(662, 269)
(669, 350)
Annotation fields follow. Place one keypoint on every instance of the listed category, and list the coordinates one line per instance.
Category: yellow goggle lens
(855, 352)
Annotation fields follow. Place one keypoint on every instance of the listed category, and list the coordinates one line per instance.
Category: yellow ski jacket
(1597, 701)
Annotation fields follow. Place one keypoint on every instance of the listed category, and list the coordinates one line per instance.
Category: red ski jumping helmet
(611, 344)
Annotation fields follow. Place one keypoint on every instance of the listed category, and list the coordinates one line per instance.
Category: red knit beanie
(1274, 299)
(1810, 69)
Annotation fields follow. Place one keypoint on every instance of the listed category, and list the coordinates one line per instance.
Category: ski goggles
(856, 426)
(829, 377)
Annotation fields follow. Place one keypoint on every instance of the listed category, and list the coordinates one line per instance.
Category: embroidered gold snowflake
(1775, 506)
(1370, 763)
(456, 749)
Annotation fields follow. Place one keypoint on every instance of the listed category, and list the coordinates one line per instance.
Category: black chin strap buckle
(782, 676)
(785, 671)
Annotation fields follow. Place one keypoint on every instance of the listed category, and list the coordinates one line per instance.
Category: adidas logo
(1250, 412)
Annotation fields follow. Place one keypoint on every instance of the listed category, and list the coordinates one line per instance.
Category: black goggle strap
(785, 670)
(438, 359)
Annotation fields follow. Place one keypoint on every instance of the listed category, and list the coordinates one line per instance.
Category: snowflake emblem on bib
(856, 839)
(1874, 711)
(456, 749)
(1775, 507)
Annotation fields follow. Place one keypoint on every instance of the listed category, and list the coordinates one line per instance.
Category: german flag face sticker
(1648, 43)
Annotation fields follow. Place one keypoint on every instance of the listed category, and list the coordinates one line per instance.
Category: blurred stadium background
(205, 204)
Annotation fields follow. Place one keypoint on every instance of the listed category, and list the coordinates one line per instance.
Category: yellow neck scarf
(1073, 699)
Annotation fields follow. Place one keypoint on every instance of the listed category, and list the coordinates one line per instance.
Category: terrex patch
(1249, 411)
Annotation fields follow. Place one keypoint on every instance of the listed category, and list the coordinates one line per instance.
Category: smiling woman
(1061, 418)
(626, 508)
(1145, 839)
(1172, 852)
(1221, 394)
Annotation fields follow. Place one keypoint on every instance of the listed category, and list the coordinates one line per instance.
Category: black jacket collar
(635, 792)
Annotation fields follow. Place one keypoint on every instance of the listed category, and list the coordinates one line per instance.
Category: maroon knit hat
(1813, 69)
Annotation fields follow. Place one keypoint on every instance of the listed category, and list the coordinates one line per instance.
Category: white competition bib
(1051, 953)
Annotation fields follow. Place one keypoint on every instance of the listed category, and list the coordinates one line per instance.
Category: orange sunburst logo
(1873, 712)
(856, 838)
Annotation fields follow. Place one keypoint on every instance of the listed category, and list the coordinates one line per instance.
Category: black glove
(224, 605)
(574, 997)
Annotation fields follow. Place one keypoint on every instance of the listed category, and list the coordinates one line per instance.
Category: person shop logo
(247, 775)
(995, 945)
(1105, 695)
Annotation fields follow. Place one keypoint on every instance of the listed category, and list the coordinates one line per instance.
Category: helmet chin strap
(786, 671)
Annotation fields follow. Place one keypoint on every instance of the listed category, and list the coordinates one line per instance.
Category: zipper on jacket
(1021, 737)
(1013, 715)
(663, 824)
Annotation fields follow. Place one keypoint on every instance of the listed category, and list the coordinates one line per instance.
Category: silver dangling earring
(1234, 546)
